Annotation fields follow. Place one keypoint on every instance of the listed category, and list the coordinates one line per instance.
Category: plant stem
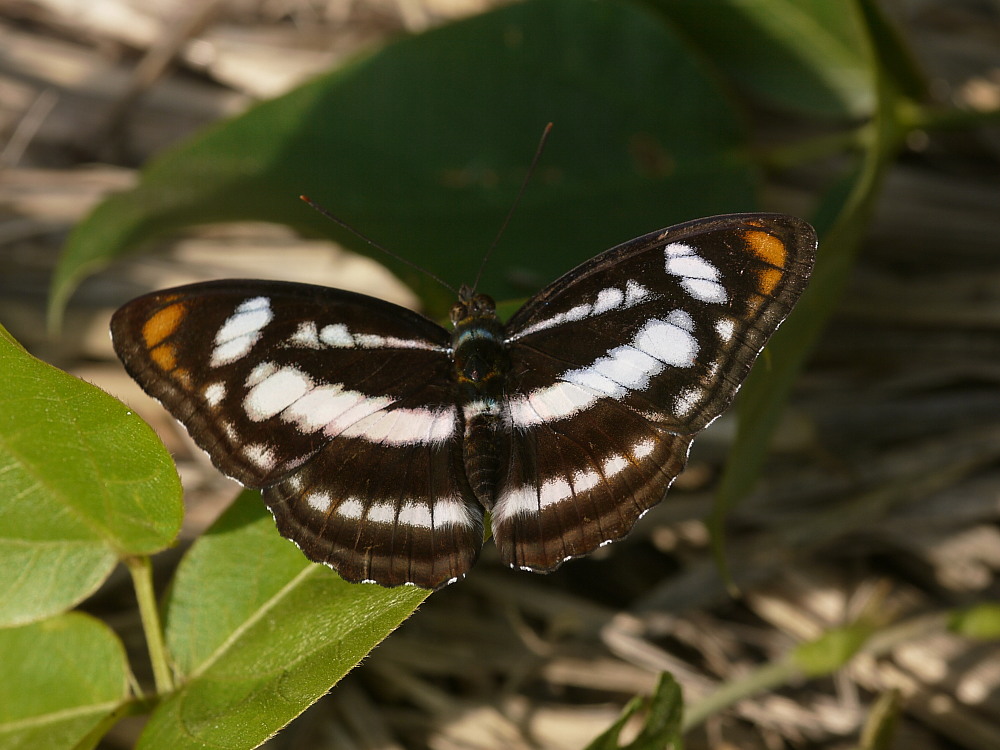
(141, 570)
(914, 116)
(787, 669)
(816, 148)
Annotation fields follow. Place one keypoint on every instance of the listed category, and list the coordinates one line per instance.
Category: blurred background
(880, 500)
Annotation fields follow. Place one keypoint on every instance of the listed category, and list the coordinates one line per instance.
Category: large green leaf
(423, 144)
(60, 679)
(83, 481)
(258, 633)
(808, 56)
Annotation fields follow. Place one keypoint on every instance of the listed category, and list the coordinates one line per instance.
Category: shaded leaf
(423, 145)
(84, 481)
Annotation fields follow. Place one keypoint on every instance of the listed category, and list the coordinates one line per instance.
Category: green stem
(773, 676)
(816, 148)
(141, 570)
(913, 116)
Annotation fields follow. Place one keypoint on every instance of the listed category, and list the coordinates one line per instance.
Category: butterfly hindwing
(619, 363)
(307, 393)
(406, 520)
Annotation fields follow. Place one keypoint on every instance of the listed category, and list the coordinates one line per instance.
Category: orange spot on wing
(767, 247)
(162, 324)
(164, 356)
(772, 251)
(768, 279)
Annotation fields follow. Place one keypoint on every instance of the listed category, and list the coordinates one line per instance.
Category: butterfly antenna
(517, 200)
(362, 236)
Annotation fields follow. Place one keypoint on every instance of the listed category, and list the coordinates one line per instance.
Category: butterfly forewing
(619, 363)
(362, 422)
(309, 393)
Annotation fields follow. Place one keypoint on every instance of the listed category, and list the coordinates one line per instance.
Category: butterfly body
(380, 439)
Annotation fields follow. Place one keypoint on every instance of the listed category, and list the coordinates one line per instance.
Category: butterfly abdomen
(481, 364)
(479, 449)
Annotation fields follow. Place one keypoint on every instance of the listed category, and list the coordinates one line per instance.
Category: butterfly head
(472, 306)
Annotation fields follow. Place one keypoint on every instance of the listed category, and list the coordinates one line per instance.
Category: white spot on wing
(215, 393)
(699, 278)
(241, 331)
(554, 402)
(614, 464)
(250, 317)
(685, 401)
(351, 508)
(405, 426)
(415, 514)
(275, 393)
(229, 352)
(320, 501)
(642, 449)
(607, 299)
(306, 336)
(515, 501)
(670, 340)
(591, 379)
(261, 371)
(337, 336)
(724, 327)
(260, 455)
(332, 409)
(628, 366)
(586, 480)
(381, 513)
(554, 491)
(635, 293)
(452, 512)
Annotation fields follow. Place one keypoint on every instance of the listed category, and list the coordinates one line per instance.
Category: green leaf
(807, 56)
(662, 728)
(59, 680)
(258, 633)
(84, 481)
(879, 731)
(423, 145)
(981, 621)
(832, 650)
(897, 60)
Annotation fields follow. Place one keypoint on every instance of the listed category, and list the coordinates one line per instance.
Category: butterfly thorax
(481, 363)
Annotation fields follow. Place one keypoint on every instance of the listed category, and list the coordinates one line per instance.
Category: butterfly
(380, 439)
